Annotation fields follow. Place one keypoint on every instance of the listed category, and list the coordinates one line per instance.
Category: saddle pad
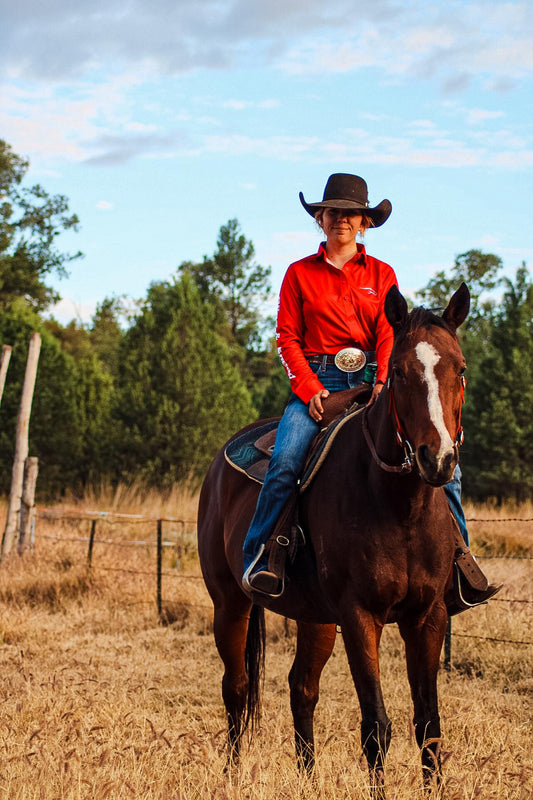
(243, 454)
(247, 453)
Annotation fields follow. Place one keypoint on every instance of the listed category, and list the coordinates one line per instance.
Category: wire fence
(160, 544)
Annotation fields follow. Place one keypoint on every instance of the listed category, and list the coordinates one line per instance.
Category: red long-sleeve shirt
(323, 309)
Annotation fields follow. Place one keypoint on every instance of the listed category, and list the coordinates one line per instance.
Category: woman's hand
(378, 388)
(316, 408)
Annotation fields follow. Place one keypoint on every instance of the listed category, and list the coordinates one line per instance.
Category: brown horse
(380, 548)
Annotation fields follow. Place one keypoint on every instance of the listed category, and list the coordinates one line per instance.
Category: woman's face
(340, 225)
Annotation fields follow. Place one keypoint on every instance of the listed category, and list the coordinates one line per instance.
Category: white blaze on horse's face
(429, 357)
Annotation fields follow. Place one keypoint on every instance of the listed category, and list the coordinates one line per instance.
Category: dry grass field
(100, 700)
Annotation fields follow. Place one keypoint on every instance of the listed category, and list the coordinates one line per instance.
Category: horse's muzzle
(436, 471)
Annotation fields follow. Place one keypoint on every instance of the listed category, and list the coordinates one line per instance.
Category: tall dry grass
(99, 700)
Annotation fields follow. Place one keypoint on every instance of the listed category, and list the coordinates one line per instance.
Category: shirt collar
(359, 258)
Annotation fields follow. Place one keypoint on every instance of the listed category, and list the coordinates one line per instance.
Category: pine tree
(180, 395)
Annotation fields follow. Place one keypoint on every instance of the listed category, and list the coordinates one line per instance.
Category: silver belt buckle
(350, 359)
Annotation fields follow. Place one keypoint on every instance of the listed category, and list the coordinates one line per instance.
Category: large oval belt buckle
(350, 359)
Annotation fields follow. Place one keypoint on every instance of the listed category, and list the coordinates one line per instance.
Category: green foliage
(70, 412)
(180, 395)
(498, 419)
(106, 333)
(497, 340)
(30, 222)
(270, 384)
(237, 289)
(233, 282)
(477, 269)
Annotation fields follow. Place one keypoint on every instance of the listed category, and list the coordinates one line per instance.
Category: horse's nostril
(425, 456)
(449, 461)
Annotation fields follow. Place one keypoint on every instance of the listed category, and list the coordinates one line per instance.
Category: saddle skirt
(250, 452)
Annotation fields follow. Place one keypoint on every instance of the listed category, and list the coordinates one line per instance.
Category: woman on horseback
(332, 334)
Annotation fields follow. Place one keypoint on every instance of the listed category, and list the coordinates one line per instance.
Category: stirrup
(459, 602)
(251, 582)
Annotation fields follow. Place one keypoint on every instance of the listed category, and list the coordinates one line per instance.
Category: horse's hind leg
(241, 672)
(423, 644)
(313, 648)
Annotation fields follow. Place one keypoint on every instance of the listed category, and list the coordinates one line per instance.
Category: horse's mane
(422, 317)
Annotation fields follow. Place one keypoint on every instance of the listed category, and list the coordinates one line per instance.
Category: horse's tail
(254, 656)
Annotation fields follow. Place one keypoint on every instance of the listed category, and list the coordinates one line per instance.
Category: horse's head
(426, 382)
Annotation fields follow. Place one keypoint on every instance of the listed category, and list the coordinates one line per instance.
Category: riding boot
(470, 586)
(263, 575)
(266, 573)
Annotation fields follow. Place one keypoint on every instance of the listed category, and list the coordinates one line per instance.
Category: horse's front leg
(423, 645)
(362, 633)
(313, 648)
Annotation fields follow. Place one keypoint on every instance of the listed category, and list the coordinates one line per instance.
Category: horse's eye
(462, 371)
(398, 373)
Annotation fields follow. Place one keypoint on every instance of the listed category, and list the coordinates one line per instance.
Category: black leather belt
(318, 359)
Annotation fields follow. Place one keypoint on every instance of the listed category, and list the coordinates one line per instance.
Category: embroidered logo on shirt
(291, 376)
(369, 289)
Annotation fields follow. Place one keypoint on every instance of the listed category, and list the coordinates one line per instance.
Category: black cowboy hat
(349, 192)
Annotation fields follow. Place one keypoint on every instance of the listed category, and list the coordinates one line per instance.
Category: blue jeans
(295, 433)
(453, 496)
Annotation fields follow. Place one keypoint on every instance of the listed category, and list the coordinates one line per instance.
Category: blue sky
(162, 120)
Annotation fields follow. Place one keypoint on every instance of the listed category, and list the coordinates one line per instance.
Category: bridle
(409, 457)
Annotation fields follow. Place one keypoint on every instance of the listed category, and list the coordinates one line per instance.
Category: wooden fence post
(160, 568)
(4, 363)
(21, 445)
(27, 507)
(91, 543)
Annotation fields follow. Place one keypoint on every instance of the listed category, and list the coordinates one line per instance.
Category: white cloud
(234, 105)
(405, 148)
(478, 115)
(454, 40)
(322, 57)
(139, 127)
(99, 120)
(491, 41)
(91, 122)
(69, 309)
(242, 105)
(58, 121)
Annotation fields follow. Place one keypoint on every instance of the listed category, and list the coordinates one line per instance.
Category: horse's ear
(457, 309)
(395, 308)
